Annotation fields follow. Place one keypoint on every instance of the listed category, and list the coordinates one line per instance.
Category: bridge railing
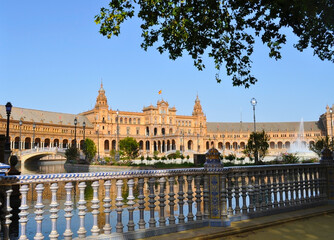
(151, 202)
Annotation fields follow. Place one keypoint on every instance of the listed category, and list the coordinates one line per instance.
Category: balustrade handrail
(63, 177)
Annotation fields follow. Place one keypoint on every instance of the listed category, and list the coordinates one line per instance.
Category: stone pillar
(327, 161)
(217, 189)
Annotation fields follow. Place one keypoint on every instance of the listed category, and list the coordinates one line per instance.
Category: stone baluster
(171, 200)
(311, 184)
(198, 197)
(296, 181)
(152, 221)
(244, 193)
(68, 211)
(119, 205)
(257, 191)
(280, 184)
(181, 198)
(190, 201)
(263, 192)
(131, 198)
(286, 188)
(316, 184)
(292, 187)
(24, 211)
(54, 211)
(107, 207)
(95, 206)
(251, 192)
(223, 197)
(237, 193)
(301, 185)
(39, 212)
(269, 190)
(229, 194)
(141, 203)
(206, 196)
(162, 200)
(324, 184)
(8, 213)
(306, 184)
(275, 188)
(82, 210)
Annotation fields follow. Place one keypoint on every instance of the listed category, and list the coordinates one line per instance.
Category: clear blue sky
(53, 58)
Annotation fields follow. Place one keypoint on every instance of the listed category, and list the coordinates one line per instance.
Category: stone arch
(147, 131)
(155, 131)
(242, 145)
(147, 143)
(190, 145)
(56, 142)
(173, 144)
(227, 145)
(171, 131)
(272, 145)
(106, 145)
(279, 145)
(220, 145)
(235, 145)
(141, 145)
(17, 143)
(37, 142)
(207, 145)
(113, 144)
(81, 144)
(47, 142)
(65, 143)
(27, 143)
(212, 144)
(73, 143)
(287, 144)
(125, 120)
(163, 131)
(130, 121)
(168, 145)
(159, 146)
(311, 143)
(163, 146)
(121, 120)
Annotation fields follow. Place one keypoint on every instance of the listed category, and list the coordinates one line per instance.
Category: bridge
(39, 153)
(145, 203)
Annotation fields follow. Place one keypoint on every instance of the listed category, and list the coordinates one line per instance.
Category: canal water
(49, 167)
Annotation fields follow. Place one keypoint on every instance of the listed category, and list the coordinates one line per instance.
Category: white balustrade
(243, 191)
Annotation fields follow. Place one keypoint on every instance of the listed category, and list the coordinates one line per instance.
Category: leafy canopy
(225, 29)
(130, 147)
(257, 142)
(89, 149)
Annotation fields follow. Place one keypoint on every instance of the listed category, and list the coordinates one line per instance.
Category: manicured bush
(230, 157)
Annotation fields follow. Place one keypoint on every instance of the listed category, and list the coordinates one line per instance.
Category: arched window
(106, 145)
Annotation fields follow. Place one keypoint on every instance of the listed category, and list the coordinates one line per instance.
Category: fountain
(300, 147)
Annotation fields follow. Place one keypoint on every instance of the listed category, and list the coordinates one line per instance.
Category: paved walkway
(310, 224)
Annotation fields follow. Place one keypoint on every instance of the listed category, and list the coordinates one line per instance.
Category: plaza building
(156, 128)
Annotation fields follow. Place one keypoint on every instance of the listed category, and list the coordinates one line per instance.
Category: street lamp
(98, 143)
(117, 137)
(254, 102)
(33, 134)
(331, 112)
(7, 146)
(75, 132)
(20, 143)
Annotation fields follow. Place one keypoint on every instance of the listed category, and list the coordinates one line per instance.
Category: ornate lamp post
(75, 132)
(98, 143)
(331, 112)
(254, 102)
(117, 137)
(20, 143)
(33, 135)
(7, 145)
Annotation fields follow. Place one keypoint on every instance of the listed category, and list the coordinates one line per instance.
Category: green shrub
(72, 154)
(289, 158)
(182, 157)
(163, 158)
(188, 157)
(230, 157)
(142, 157)
(155, 157)
(148, 158)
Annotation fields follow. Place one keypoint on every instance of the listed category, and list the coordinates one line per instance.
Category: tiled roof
(38, 116)
(266, 126)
